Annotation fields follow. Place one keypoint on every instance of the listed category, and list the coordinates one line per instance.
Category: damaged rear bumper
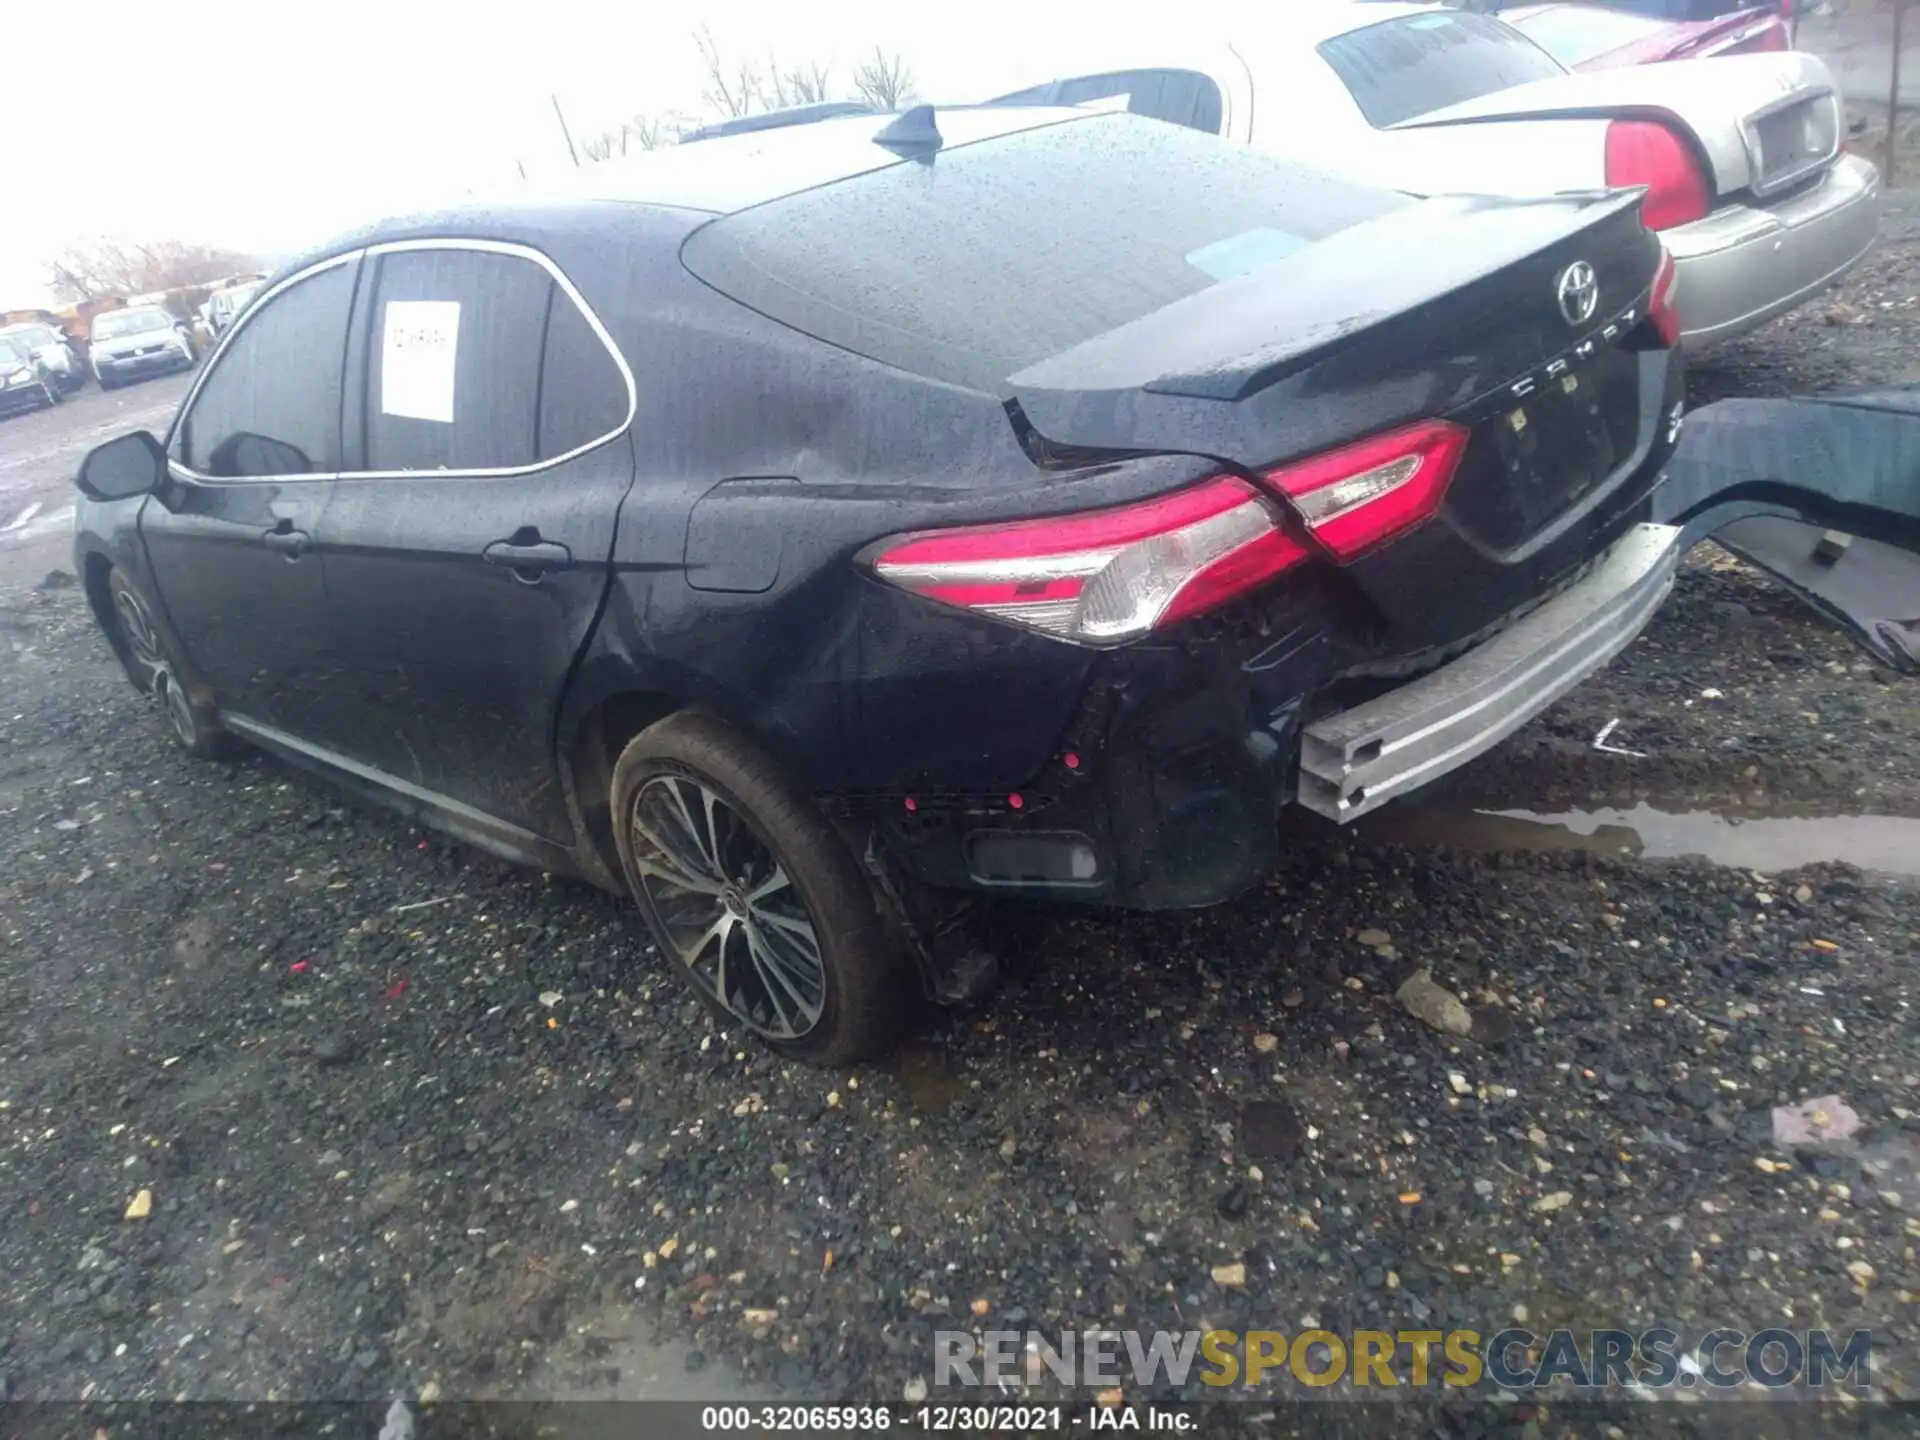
(1359, 759)
(1170, 779)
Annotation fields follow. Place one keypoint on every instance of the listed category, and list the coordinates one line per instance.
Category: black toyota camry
(798, 528)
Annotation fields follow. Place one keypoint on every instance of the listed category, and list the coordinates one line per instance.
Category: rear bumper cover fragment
(1357, 760)
(1840, 462)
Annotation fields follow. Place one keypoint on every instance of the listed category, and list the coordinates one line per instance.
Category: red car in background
(1599, 37)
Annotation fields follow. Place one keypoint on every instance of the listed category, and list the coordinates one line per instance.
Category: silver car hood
(127, 344)
(1712, 98)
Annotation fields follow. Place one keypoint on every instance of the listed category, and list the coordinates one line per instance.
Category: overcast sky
(270, 127)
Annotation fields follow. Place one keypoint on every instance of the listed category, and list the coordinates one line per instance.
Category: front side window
(1402, 69)
(271, 404)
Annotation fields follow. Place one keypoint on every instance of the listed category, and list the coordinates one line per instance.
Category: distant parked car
(24, 381)
(1598, 37)
(50, 351)
(1740, 156)
(224, 306)
(138, 341)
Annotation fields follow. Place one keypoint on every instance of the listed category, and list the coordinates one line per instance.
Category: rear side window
(583, 395)
(453, 363)
(1402, 69)
(1180, 97)
(999, 254)
(271, 405)
(479, 360)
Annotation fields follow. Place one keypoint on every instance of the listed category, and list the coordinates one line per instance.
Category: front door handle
(528, 559)
(290, 543)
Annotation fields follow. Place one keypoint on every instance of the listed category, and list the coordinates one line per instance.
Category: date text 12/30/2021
(942, 1419)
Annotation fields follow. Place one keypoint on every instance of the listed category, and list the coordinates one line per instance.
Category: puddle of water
(1269, 1129)
(923, 1073)
(1889, 843)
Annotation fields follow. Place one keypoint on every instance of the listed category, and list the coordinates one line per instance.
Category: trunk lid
(1344, 339)
(1761, 121)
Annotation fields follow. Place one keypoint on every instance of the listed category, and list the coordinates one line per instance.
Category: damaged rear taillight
(1663, 302)
(1112, 575)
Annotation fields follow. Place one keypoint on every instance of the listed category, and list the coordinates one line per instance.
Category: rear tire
(751, 893)
(193, 725)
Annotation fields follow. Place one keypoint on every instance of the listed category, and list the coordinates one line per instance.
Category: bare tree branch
(884, 81)
(654, 132)
(798, 84)
(732, 90)
(110, 266)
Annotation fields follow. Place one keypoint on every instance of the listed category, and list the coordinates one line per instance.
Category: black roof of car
(717, 177)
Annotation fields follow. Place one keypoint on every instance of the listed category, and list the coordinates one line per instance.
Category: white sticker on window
(417, 354)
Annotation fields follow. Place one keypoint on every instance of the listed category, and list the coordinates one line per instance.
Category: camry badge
(1579, 292)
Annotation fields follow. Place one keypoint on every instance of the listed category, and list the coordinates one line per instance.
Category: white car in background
(51, 350)
(224, 306)
(1740, 156)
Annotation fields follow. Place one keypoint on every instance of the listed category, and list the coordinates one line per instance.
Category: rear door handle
(528, 559)
(290, 543)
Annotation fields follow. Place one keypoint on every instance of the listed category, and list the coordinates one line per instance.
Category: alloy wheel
(143, 645)
(732, 914)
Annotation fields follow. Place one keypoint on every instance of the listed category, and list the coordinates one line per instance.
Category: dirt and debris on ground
(297, 1101)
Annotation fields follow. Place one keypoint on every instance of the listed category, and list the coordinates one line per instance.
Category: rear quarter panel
(797, 455)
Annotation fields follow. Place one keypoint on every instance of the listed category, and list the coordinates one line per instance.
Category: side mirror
(122, 468)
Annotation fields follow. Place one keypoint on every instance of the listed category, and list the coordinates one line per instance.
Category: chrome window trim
(395, 247)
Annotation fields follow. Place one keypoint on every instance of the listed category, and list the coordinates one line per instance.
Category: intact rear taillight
(1363, 495)
(1663, 307)
(1107, 575)
(1645, 152)
(1112, 575)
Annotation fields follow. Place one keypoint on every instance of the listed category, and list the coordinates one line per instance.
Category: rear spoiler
(1824, 493)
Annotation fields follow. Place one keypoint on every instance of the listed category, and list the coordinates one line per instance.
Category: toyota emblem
(1579, 292)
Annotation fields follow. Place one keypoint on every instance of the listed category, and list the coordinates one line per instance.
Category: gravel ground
(409, 1118)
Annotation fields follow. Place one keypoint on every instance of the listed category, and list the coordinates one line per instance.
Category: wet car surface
(296, 1024)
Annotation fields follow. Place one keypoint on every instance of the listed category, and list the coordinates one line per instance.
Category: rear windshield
(1574, 34)
(1402, 69)
(997, 255)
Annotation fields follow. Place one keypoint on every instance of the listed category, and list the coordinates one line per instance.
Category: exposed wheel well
(602, 734)
(94, 578)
